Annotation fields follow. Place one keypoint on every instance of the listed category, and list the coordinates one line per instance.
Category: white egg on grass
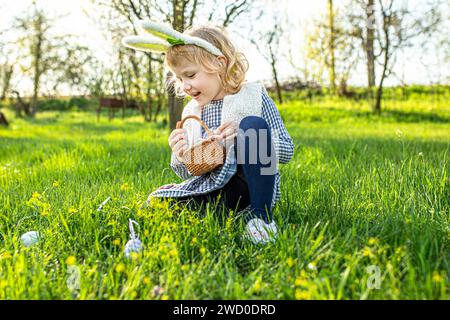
(134, 244)
(30, 238)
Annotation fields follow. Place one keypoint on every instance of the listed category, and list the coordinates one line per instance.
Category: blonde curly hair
(236, 67)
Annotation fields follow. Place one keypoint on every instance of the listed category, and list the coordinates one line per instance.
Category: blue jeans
(257, 157)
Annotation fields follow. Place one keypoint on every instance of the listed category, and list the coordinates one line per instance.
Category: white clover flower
(312, 266)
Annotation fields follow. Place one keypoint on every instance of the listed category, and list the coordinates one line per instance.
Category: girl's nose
(187, 86)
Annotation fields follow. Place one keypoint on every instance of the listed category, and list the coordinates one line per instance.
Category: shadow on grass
(87, 121)
(415, 117)
(36, 150)
(333, 114)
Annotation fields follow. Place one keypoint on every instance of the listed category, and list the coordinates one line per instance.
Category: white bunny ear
(145, 43)
(162, 36)
(162, 31)
(173, 37)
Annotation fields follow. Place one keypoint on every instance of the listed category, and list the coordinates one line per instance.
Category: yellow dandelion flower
(173, 252)
(116, 242)
(72, 210)
(184, 267)
(165, 297)
(202, 250)
(373, 241)
(257, 285)
(56, 184)
(300, 282)
(120, 267)
(367, 252)
(437, 277)
(36, 195)
(302, 295)
(5, 255)
(71, 260)
(290, 262)
(124, 187)
(146, 280)
(3, 284)
(134, 255)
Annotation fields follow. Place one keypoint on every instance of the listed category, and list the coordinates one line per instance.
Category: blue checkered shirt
(211, 115)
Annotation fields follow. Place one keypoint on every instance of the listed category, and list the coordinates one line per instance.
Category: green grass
(361, 192)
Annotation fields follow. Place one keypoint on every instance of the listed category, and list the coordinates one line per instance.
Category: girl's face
(202, 86)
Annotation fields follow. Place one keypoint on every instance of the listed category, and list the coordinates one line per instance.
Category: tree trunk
(3, 120)
(377, 107)
(37, 55)
(275, 76)
(148, 116)
(369, 48)
(159, 93)
(158, 107)
(123, 83)
(176, 104)
(332, 66)
(370, 29)
(6, 80)
(175, 110)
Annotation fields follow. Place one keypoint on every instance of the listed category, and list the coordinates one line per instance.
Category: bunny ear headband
(160, 37)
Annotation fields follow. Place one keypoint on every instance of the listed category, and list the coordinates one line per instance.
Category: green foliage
(61, 104)
(361, 192)
(78, 103)
(53, 105)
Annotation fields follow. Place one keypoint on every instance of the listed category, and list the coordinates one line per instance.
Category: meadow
(364, 212)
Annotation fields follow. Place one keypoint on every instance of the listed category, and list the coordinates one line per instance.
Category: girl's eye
(191, 75)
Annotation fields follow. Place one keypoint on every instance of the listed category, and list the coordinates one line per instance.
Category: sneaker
(260, 232)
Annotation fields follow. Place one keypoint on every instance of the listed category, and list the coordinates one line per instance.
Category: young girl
(206, 66)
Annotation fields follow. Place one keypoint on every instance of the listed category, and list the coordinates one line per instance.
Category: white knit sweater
(246, 102)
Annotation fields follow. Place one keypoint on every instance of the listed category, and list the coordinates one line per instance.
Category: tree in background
(268, 44)
(332, 47)
(398, 28)
(361, 16)
(178, 13)
(47, 58)
(6, 72)
(385, 28)
(332, 54)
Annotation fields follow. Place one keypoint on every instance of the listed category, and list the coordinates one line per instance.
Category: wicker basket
(205, 156)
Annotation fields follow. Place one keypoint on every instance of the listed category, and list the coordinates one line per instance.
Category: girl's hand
(178, 142)
(227, 130)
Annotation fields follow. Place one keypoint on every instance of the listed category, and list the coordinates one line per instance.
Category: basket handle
(180, 123)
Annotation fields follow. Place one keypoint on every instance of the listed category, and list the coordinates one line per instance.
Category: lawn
(364, 212)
